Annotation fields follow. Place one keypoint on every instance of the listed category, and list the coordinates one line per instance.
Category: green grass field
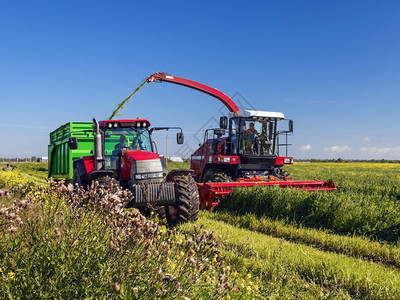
(276, 243)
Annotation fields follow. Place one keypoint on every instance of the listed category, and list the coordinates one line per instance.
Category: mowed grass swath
(367, 203)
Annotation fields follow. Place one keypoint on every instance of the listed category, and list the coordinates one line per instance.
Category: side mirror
(73, 143)
(291, 125)
(179, 138)
(223, 122)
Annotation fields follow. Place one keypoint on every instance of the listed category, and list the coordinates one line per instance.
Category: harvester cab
(249, 148)
(124, 151)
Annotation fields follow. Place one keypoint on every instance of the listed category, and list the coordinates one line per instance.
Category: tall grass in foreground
(57, 242)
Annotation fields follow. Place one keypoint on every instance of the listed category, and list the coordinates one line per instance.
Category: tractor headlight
(115, 125)
(109, 125)
(287, 160)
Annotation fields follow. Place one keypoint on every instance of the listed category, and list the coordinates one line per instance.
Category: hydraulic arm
(227, 101)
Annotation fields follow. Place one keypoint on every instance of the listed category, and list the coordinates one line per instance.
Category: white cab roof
(260, 114)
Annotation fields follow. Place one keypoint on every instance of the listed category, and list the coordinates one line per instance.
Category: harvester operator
(250, 136)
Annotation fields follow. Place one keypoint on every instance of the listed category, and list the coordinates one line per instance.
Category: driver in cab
(123, 144)
(250, 136)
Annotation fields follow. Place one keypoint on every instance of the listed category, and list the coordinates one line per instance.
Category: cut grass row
(335, 272)
(358, 247)
(375, 216)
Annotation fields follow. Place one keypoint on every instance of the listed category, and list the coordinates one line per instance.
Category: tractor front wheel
(187, 204)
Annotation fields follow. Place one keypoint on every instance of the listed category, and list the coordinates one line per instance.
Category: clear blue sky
(331, 66)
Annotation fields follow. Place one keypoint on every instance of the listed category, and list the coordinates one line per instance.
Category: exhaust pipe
(98, 147)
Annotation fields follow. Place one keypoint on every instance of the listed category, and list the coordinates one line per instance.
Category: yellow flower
(248, 275)
(11, 275)
(248, 288)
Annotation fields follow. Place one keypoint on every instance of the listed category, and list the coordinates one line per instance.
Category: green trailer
(61, 157)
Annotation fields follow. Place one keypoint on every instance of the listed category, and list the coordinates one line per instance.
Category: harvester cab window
(258, 137)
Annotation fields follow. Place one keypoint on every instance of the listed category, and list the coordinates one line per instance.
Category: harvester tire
(187, 203)
(212, 175)
(281, 173)
(222, 177)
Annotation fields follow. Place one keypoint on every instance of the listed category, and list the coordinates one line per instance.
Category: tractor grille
(158, 193)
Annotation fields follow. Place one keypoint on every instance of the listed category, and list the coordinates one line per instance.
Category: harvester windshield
(254, 137)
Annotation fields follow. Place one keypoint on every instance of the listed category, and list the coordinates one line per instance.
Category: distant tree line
(340, 160)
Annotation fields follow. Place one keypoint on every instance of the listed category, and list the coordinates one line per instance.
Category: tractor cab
(124, 135)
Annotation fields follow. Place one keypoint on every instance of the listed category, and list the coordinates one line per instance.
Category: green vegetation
(60, 243)
(333, 273)
(366, 204)
(261, 243)
(358, 247)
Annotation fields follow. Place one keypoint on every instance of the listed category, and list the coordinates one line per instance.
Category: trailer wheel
(76, 180)
(187, 203)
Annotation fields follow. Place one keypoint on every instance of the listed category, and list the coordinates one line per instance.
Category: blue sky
(331, 66)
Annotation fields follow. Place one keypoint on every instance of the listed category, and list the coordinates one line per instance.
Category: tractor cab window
(258, 137)
(118, 139)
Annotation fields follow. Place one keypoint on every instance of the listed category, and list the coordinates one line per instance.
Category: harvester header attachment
(212, 192)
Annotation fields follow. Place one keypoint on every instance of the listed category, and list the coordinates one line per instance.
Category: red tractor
(124, 150)
(243, 151)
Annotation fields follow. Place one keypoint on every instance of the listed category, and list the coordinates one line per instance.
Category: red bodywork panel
(211, 193)
(203, 156)
(128, 156)
(228, 102)
(280, 161)
(88, 162)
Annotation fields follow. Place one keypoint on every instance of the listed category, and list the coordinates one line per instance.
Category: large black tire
(212, 175)
(187, 204)
(222, 177)
(161, 212)
(281, 173)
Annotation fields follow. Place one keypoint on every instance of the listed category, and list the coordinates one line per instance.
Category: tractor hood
(139, 155)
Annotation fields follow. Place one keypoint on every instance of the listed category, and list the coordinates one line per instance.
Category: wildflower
(117, 288)
(178, 243)
(11, 275)
(248, 288)
(85, 278)
(248, 275)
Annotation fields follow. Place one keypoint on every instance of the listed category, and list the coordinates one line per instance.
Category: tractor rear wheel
(187, 203)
